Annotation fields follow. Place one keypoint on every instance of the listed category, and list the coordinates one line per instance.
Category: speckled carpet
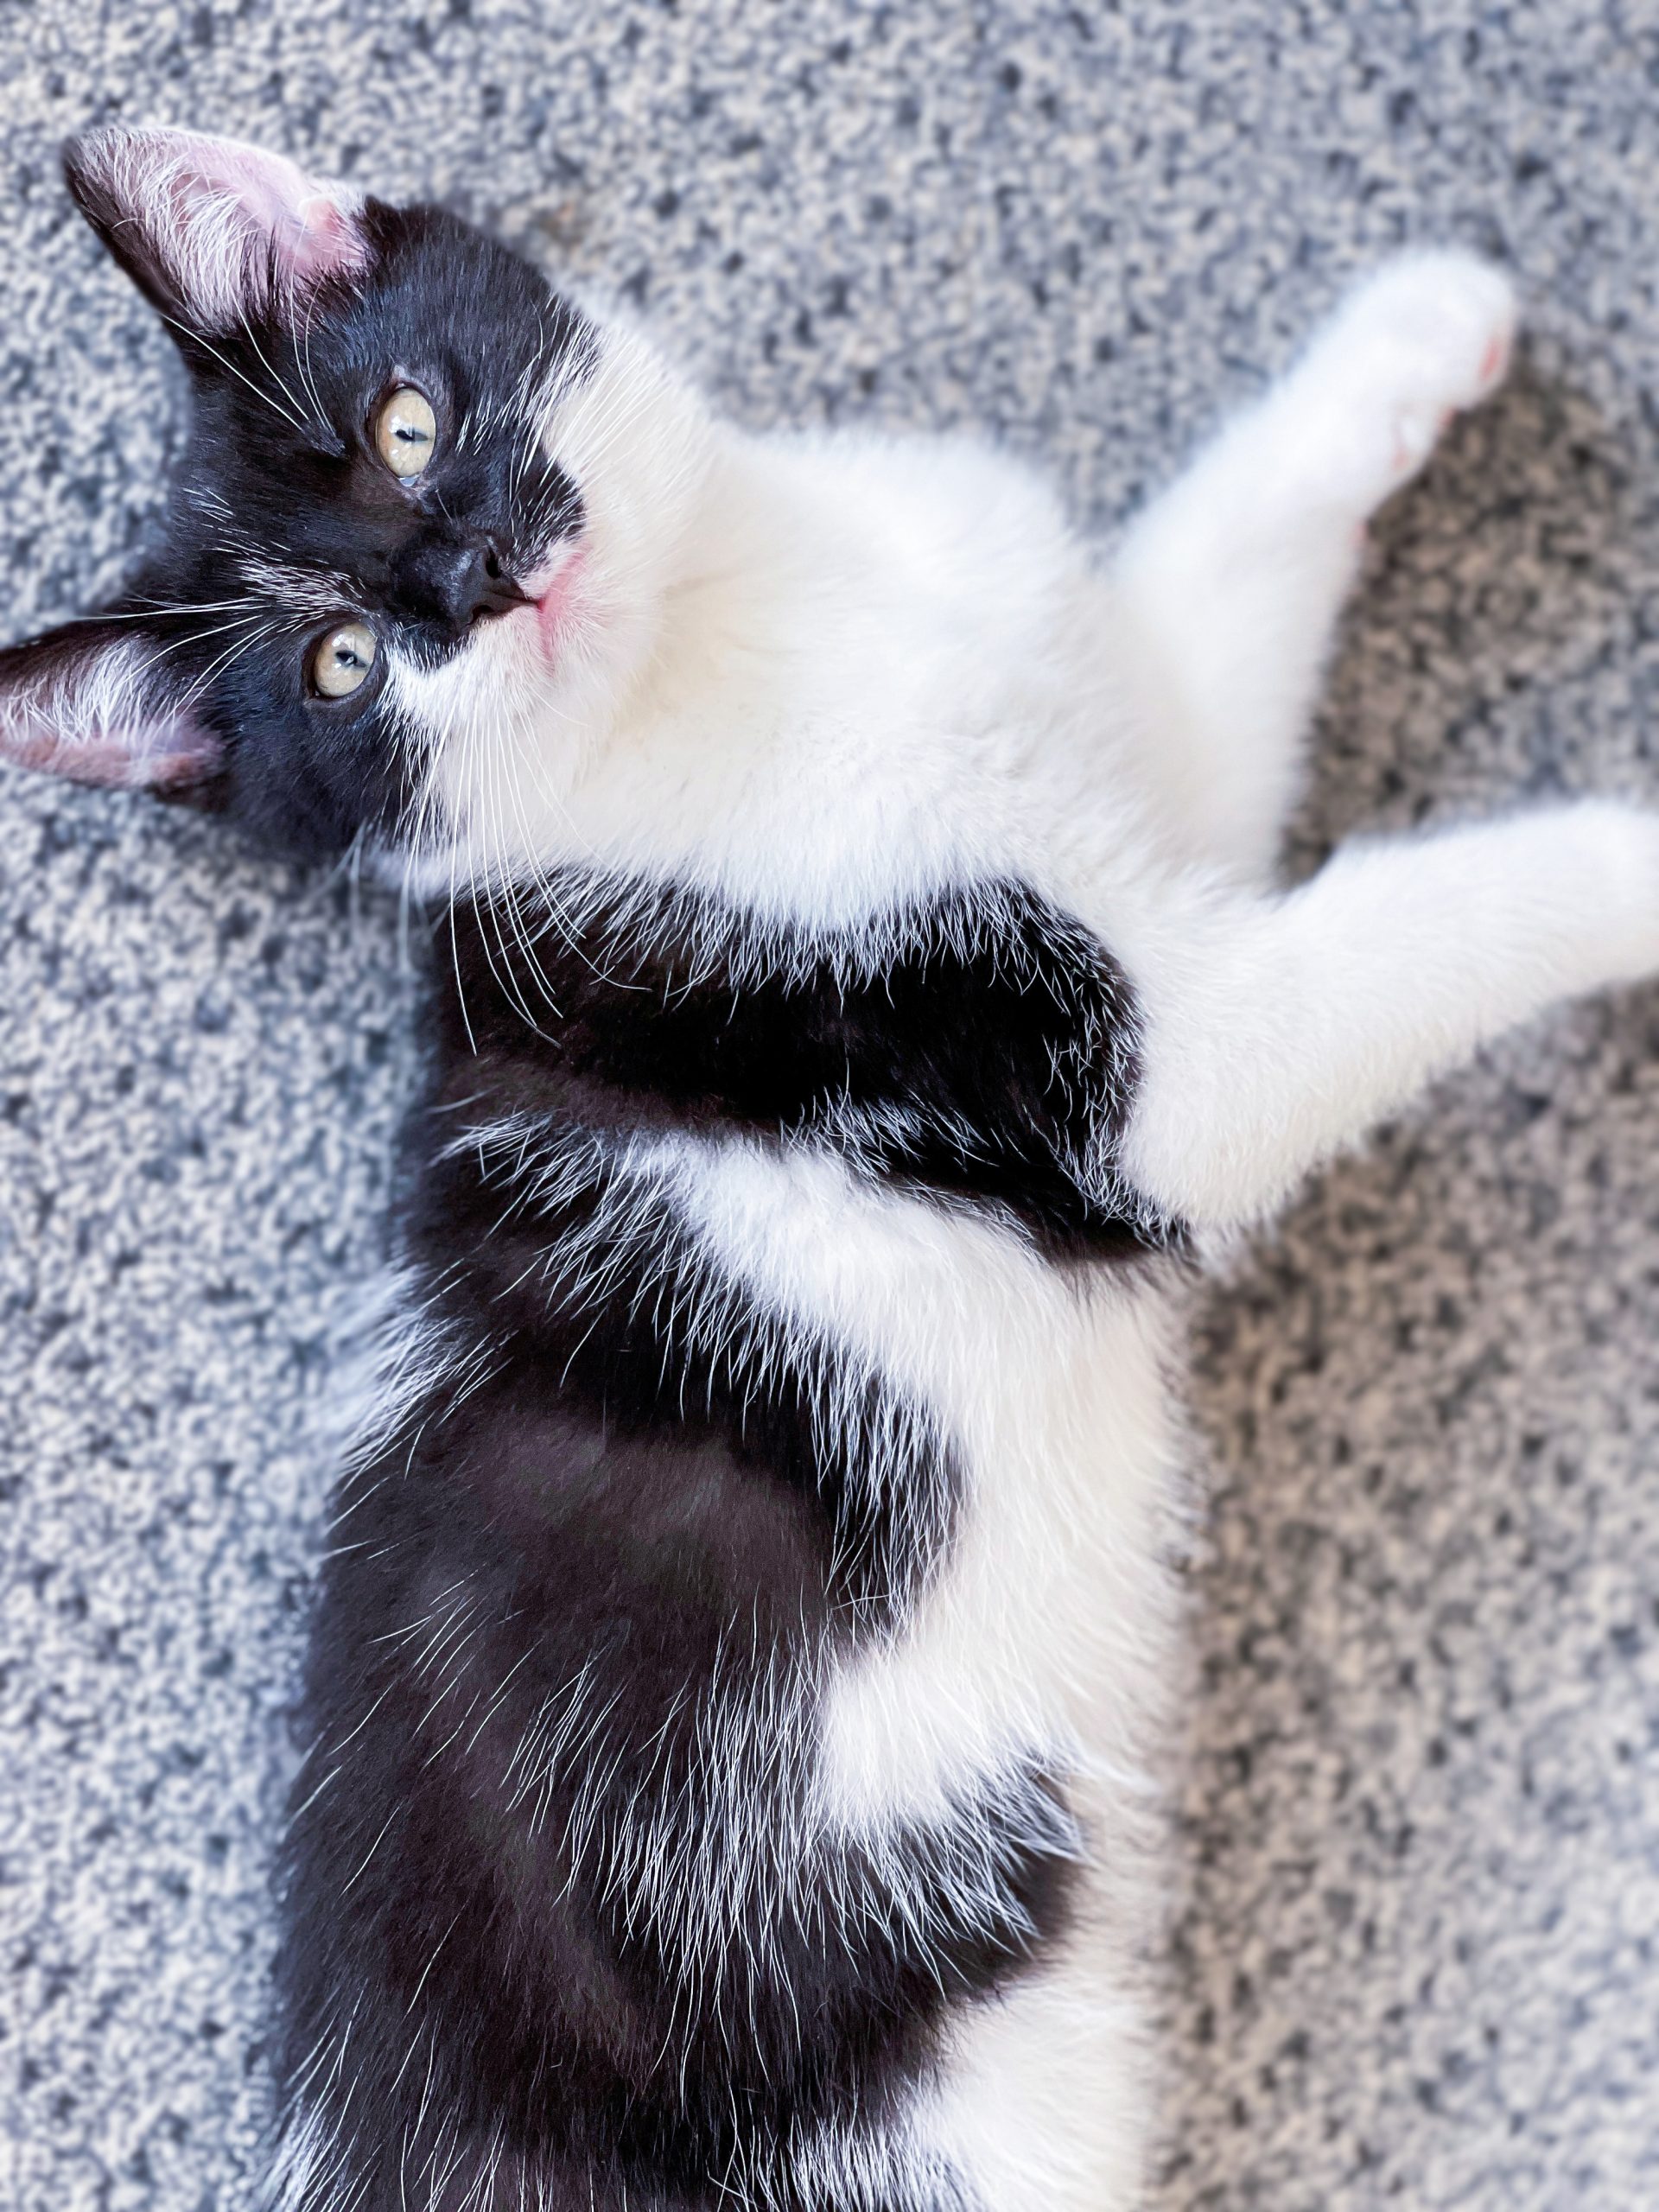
(1417, 1854)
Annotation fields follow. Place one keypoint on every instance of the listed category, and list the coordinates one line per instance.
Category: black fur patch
(981, 1047)
(564, 1883)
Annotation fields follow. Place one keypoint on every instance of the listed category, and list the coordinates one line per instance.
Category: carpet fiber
(1416, 1857)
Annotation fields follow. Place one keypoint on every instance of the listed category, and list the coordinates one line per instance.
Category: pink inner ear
(83, 760)
(94, 707)
(305, 220)
(228, 224)
(329, 243)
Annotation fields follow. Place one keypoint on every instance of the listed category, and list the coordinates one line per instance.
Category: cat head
(413, 554)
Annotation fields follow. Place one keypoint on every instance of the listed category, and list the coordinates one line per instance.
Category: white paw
(1428, 335)
(1614, 892)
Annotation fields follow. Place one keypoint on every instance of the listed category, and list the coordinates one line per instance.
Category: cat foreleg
(1278, 1029)
(1229, 587)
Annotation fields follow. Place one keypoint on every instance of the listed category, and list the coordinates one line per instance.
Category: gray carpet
(1417, 1858)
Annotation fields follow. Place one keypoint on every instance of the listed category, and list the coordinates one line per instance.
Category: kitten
(863, 982)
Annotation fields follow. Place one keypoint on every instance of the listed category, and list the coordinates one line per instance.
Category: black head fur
(283, 522)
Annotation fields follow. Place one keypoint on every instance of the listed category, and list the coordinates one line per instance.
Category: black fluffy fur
(981, 1048)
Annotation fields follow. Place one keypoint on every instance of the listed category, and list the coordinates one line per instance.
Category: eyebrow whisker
(276, 406)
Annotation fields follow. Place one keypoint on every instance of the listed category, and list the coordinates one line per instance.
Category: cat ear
(213, 232)
(97, 704)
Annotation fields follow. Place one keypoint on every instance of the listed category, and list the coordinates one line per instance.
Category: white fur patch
(1046, 1626)
(1043, 1632)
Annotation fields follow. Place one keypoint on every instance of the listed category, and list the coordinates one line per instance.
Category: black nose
(458, 576)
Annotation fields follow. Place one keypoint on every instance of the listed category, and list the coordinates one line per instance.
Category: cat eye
(405, 430)
(341, 662)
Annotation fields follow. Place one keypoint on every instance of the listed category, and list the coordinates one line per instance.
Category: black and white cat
(862, 980)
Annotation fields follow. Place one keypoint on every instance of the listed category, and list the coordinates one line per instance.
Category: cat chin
(503, 730)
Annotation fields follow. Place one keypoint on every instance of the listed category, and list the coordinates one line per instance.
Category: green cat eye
(342, 660)
(405, 430)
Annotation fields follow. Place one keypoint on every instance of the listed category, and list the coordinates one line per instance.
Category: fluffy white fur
(823, 674)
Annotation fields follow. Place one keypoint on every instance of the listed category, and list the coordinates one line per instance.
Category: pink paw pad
(1493, 362)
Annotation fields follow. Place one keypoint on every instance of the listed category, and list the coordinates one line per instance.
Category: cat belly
(1042, 1633)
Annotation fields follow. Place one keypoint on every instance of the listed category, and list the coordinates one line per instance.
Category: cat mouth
(551, 591)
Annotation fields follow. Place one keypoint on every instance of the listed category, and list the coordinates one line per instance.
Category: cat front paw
(1426, 336)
